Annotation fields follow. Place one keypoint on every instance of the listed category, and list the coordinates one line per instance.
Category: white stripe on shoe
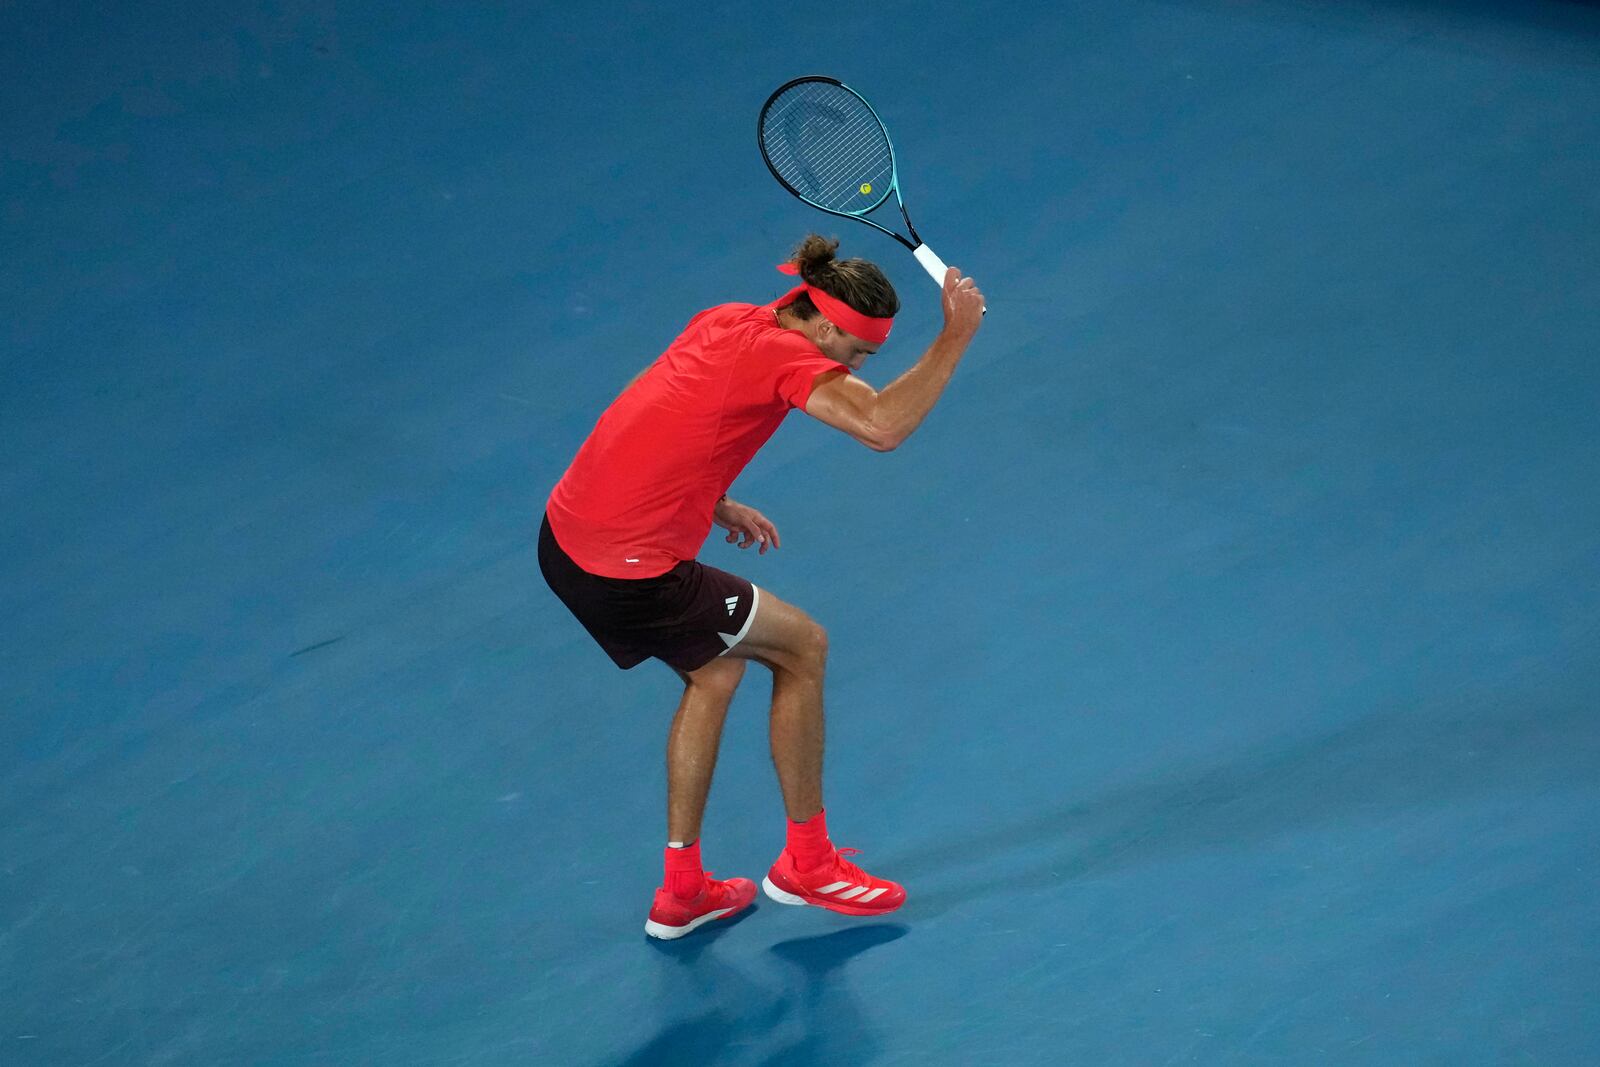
(668, 933)
(779, 895)
(860, 893)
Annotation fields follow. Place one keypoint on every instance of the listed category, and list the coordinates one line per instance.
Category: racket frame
(925, 255)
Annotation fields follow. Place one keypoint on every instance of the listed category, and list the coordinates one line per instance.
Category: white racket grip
(931, 262)
(934, 266)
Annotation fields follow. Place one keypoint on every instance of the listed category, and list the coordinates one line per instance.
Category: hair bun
(813, 256)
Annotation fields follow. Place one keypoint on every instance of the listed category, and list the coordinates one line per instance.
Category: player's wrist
(957, 332)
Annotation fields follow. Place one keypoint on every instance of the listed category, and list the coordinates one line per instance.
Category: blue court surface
(1217, 666)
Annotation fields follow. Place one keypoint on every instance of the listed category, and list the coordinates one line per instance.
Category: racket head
(825, 144)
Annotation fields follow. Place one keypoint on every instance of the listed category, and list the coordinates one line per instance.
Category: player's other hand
(963, 304)
(743, 521)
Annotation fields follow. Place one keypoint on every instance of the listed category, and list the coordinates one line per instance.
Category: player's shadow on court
(1372, 769)
(732, 1006)
(744, 1013)
(829, 1015)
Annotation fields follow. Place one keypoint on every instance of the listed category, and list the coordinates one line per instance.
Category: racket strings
(826, 143)
(834, 172)
(839, 152)
(846, 159)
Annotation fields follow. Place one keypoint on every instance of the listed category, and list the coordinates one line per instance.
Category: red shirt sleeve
(799, 367)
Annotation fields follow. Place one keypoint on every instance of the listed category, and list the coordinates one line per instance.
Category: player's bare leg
(689, 897)
(692, 744)
(809, 870)
(795, 648)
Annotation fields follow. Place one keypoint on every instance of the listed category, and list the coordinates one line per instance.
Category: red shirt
(639, 496)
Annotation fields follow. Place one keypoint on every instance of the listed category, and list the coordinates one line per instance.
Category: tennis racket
(825, 144)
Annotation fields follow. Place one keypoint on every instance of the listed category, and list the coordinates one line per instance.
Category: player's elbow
(882, 440)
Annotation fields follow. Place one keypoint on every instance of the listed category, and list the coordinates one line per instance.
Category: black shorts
(686, 617)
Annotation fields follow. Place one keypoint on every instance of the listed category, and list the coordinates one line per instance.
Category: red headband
(838, 312)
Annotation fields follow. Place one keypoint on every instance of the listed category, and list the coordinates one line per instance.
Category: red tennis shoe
(672, 916)
(837, 885)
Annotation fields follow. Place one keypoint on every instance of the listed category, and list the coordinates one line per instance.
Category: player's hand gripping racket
(825, 144)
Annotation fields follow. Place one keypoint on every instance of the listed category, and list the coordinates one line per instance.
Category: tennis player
(623, 525)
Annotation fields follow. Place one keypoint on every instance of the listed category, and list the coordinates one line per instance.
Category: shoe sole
(670, 933)
(783, 896)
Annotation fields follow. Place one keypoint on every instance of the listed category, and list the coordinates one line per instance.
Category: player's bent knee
(816, 646)
(807, 653)
(785, 638)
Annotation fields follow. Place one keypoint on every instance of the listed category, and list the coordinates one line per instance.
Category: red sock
(808, 841)
(685, 877)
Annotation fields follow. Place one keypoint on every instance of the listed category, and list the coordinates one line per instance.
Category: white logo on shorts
(732, 602)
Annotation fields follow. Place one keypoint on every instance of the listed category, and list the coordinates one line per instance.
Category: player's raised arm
(883, 420)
